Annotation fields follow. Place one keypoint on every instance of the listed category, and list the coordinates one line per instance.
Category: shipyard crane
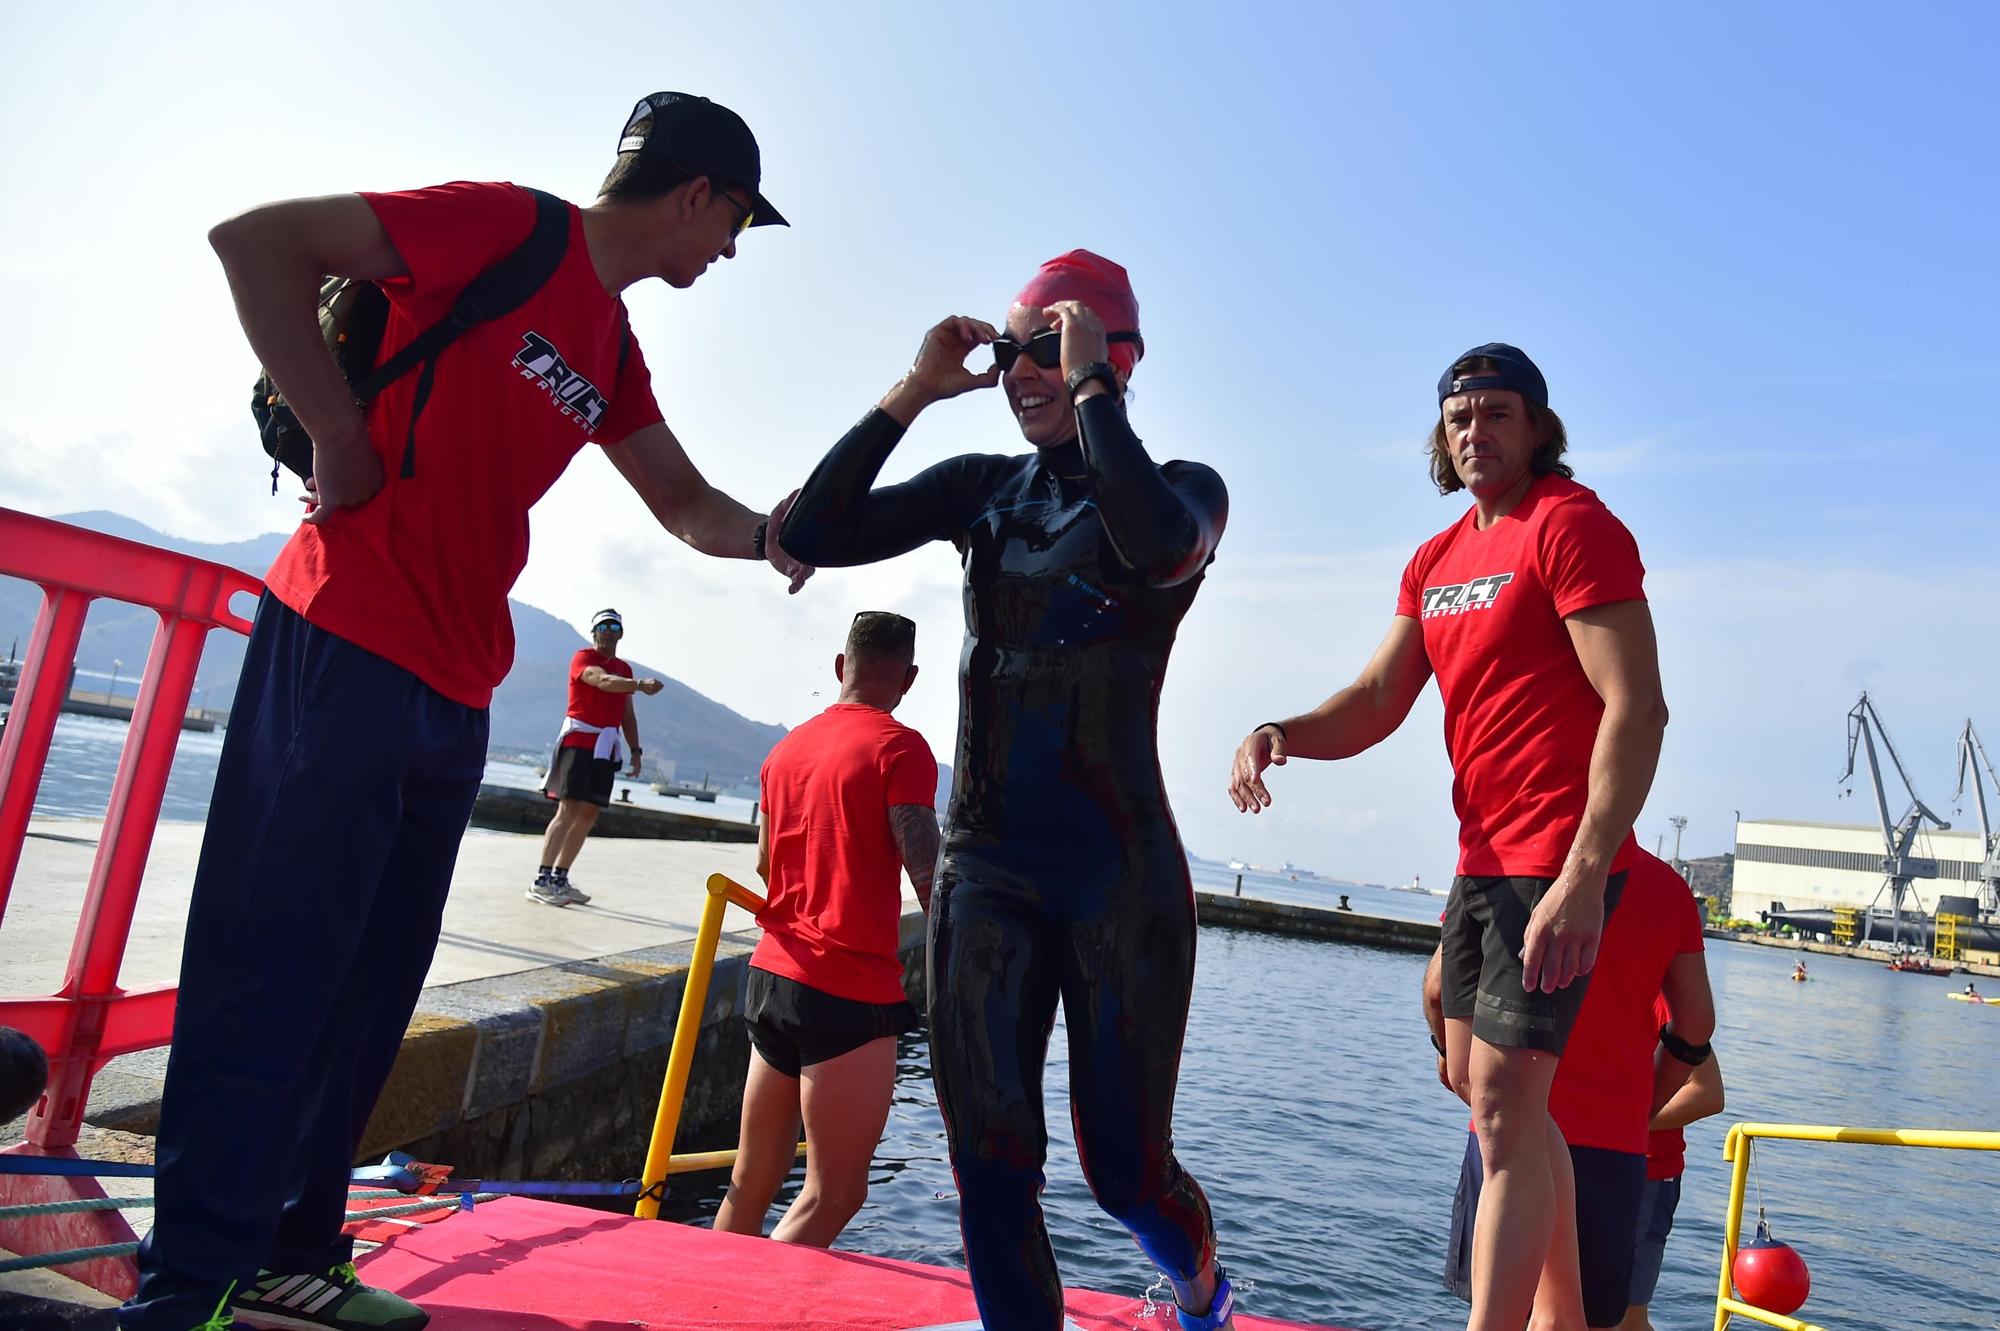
(1972, 757)
(1899, 867)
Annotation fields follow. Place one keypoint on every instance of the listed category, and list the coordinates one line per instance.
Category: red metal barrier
(89, 1020)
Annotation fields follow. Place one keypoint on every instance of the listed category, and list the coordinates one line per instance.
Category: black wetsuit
(1061, 874)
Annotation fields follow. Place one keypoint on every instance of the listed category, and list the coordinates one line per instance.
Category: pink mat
(522, 1265)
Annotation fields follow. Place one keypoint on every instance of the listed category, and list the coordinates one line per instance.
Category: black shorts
(794, 1025)
(1485, 928)
(579, 774)
(1609, 1187)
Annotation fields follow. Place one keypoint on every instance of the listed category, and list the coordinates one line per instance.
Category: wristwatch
(758, 537)
(1083, 374)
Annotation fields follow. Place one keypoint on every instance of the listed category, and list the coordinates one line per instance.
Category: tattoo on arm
(916, 831)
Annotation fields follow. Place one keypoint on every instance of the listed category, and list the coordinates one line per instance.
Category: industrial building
(1824, 866)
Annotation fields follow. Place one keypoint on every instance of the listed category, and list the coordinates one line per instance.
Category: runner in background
(585, 765)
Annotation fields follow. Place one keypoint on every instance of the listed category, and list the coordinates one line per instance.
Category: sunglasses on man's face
(1043, 348)
(746, 214)
(615, 630)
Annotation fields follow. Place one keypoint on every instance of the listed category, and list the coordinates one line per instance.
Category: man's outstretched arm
(1358, 717)
(683, 501)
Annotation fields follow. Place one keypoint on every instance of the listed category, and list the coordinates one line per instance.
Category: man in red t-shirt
(1531, 612)
(849, 803)
(585, 765)
(359, 732)
(1614, 1071)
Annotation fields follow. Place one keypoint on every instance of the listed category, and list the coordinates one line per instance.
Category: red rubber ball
(1771, 1275)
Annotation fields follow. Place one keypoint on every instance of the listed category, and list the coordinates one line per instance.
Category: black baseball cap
(705, 137)
(1515, 371)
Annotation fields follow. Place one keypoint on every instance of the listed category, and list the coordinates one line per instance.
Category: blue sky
(1750, 246)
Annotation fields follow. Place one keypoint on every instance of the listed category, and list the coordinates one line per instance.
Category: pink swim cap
(1101, 286)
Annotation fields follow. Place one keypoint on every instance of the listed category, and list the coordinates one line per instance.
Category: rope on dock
(141, 1203)
(71, 1255)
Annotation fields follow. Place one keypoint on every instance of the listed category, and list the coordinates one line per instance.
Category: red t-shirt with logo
(420, 573)
(1520, 715)
(1666, 1151)
(593, 706)
(1603, 1090)
(836, 877)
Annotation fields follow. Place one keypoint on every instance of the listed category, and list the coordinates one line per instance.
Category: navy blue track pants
(344, 788)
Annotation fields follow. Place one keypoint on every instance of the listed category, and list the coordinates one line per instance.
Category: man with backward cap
(359, 735)
(1531, 611)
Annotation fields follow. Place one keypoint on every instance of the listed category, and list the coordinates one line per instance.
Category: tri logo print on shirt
(574, 395)
(1460, 597)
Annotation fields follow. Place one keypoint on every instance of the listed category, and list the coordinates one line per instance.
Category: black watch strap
(758, 538)
(1083, 374)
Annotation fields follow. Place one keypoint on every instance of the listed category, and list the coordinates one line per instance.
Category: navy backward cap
(704, 137)
(1515, 372)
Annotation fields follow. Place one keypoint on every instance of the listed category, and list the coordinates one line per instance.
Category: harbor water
(83, 759)
(1310, 1112)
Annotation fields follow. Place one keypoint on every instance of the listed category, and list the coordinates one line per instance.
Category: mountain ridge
(704, 739)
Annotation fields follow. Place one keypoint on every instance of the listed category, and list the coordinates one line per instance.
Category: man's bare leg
(846, 1103)
(767, 1141)
(1517, 1203)
(557, 836)
(582, 817)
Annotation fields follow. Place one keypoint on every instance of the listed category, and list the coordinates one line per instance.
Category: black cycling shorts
(794, 1025)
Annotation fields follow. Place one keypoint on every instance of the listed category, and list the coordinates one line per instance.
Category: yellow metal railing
(723, 892)
(1846, 921)
(1736, 1148)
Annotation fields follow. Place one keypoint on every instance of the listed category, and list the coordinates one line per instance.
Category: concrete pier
(530, 1015)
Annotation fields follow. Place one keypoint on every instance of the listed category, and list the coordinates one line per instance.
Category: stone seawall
(1875, 956)
(552, 1072)
(556, 1072)
(1344, 926)
(506, 809)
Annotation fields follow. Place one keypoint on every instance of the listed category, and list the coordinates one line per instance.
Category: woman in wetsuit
(1061, 874)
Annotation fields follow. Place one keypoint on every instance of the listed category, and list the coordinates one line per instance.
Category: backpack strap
(501, 289)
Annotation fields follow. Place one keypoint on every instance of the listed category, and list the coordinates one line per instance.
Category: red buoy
(1771, 1275)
